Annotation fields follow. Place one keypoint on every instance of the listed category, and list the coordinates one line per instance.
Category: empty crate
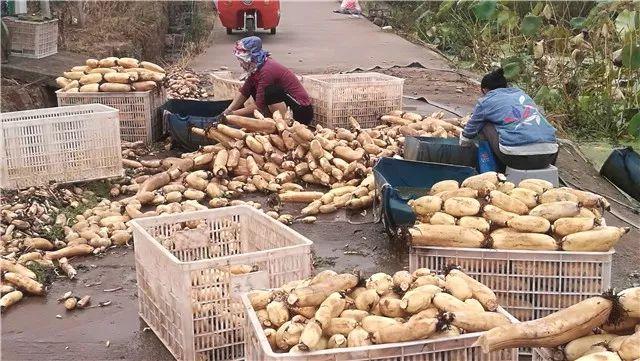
(188, 285)
(32, 39)
(64, 144)
(224, 86)
(364, 96)
(140, 116)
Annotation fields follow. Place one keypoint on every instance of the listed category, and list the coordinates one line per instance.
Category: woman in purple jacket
(272, 86)
(519, 135)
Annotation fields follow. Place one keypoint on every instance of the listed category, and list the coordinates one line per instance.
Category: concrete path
(313, 39)
(43, 70)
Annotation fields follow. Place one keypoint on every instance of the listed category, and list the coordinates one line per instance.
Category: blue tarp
(622, 168)
(180, 115)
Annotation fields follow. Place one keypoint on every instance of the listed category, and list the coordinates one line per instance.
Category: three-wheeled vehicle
(249, 15)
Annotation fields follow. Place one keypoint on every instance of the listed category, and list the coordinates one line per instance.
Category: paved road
(41, 70)
(312, 39)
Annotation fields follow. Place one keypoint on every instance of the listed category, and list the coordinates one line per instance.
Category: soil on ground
(443, 86)
(19, 95)
(576, 170)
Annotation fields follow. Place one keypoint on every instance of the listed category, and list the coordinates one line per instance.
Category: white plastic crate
(140, 116)
(184, 293)
(445, 349)
(32, 39)
(224, 86)
(64, 144)
(545, 354)
(529, 284)
(364, 96)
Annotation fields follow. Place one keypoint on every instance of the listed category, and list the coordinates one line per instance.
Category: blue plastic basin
(398, 181)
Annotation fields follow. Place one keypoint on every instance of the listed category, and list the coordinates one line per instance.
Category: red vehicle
(249, 15)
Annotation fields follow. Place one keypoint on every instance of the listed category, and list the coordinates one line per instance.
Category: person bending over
(519, 135)
(272, 86)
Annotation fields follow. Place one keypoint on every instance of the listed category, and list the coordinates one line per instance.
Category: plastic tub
(440, 150)
(398, 181)
(180, 115)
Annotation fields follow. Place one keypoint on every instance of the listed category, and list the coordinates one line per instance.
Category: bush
(579, 58)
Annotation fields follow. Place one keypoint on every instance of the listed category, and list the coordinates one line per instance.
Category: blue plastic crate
(398, 181)
(440, 150)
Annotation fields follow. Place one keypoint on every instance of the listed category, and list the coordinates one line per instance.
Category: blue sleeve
(475, 124)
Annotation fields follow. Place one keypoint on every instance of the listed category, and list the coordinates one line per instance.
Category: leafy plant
(577, 22)
(530, 25)
(634, 125)
(580, 59)
(630, 56)
(484, 9)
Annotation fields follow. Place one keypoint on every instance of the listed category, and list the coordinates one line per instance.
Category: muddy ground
(342, 242)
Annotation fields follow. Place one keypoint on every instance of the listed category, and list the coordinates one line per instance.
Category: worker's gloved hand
(464, 141)
(222, 116)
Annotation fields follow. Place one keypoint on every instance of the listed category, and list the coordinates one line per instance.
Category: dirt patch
(83, 334)
(113, 28)
(23, 96)
(442, 86)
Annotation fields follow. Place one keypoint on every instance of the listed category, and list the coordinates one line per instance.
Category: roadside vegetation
(132, 28)
(580, 60)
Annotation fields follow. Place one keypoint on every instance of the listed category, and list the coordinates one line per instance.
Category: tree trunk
(81, 15)
(45, 9)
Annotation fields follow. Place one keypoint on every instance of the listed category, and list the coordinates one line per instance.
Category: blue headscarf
(249, 50)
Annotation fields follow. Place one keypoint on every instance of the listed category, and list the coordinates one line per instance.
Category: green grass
(55, 233)
(98, 190)
(44, 275)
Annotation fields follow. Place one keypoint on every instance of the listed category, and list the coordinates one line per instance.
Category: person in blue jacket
(518, 133)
